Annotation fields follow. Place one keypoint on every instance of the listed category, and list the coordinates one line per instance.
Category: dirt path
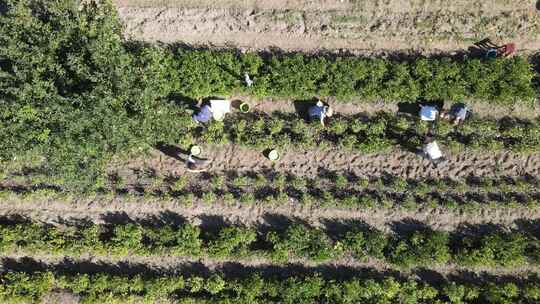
(397, 163)
(361, 26)
(355, 106)
(342, 268)
(118, 209)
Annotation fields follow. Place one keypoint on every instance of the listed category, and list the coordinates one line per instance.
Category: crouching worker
(456, 114)
(216, 110)
(204, 115)
(194, 164)
(432, 151)
(320, 112)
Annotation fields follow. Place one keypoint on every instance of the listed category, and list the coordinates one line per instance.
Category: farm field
(96, 105)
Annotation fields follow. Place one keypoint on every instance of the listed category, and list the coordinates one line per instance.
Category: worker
(196, 164)
(428, 113)
(248, 80)
(204, 115)
(432, 151)
(457, 114)
(216, 110)
(320, 111)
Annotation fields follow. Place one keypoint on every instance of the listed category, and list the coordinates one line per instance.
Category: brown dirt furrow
(105, 210)
(202, 266)
(362, 29)
(356, 106)
(312, 162)
(394, 5)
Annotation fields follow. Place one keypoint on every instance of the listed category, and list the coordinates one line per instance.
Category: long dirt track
(362, 26)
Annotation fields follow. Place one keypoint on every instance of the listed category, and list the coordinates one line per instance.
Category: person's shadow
(172, 151)
(412, 108)
(301, 107)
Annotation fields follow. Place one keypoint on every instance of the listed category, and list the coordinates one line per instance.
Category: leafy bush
(366, 243)
(301, 241)
(495, 248)
(232, 241)
(421, 247)
(101, 287)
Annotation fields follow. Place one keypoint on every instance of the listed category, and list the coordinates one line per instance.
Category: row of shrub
(419, 246)
(371, 134)
(74, 93)
(337, 190)
(102, 287)
(329, 189)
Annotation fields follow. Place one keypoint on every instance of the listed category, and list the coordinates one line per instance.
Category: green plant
(100, 287)
(302, 241)
(494, 248)
(420, 247)
(232, 241)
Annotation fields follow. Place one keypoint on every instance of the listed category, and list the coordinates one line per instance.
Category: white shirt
(432, 150)
(428, 113)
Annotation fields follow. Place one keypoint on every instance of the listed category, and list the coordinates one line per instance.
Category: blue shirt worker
(457, 114)
(320, 112)
(460, 113)
(204, 115)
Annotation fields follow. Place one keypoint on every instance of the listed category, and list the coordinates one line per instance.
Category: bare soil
(118, 209)
(311, 162)
(356, 106)
(341, 268)
(358, 26)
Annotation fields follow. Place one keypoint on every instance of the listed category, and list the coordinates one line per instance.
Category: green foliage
(421, 247)
(232, 241)
(127, 238)
(494, 248)
(302, 241)
(100, 287)
(366, 243)
(73, 93)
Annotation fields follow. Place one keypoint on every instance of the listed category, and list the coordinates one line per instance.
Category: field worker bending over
(457, 114)
(432, 151)
(204, 115)
(320, 111)
(216, 110)
(428, 113)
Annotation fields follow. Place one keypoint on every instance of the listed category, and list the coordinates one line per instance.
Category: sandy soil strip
(365, 27)
(341, 268)
(395, 5)
(118, 210)
(355, 106)
(312, 162)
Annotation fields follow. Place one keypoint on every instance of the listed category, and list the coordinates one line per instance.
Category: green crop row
(417, 247)
(17, 287)
(372, 134)
(74, 94)
(333, 189)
